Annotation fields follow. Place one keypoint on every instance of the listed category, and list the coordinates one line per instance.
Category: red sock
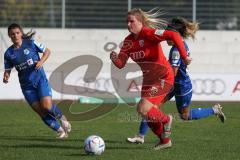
(165, 140)
(157, 128)
(156, 120)
(155, 115)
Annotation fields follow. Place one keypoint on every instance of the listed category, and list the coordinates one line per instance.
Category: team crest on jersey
(159, 32)
(141, 43)
(175, 55)
(26, 51)
(153, 91)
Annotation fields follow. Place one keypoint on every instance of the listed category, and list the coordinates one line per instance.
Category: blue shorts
(34, 93)
(183, 101)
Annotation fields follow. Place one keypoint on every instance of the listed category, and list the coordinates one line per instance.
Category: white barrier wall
(206, 87)
(214, 70)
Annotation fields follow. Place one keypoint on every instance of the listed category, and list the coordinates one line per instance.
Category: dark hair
(178, 24)
(28, 35)
(184, 27)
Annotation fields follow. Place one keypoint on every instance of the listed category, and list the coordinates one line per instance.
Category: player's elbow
(184, 117)
(119, 67)
(47, 51)
(119, 64)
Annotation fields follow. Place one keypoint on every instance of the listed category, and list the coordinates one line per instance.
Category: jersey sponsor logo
(159, 32)
(26, 51)
(141, 43)
(21, 66)
(30, 62)
(24, 65)
(137, 55)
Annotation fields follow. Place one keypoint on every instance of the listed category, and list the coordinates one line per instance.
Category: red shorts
(156, 92)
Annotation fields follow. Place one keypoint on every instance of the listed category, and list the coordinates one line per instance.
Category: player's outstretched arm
(159, 36)
(178, 42)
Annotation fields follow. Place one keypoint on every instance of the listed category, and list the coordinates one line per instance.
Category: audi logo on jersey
(137, 55)
(208, 86)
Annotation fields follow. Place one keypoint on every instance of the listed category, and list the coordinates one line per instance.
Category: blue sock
(198, 113)
(51, 122)
(55, 111)
(143, 128)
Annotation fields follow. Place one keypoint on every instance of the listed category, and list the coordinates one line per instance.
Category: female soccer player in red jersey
(182, 82)
(142, 45)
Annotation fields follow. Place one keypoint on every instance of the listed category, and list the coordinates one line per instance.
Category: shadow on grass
(43, 146)
(136, 147)
(117, 148)
(79, 155)
(38, 138)
(112, 145)
(126, 142)
(119, 145)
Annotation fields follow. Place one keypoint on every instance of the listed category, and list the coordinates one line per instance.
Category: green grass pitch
(23, 136)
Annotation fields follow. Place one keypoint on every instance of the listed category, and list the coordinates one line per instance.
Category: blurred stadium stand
(88, 14)
(212, 14)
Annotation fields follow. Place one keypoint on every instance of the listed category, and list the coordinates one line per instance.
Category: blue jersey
(23, 59)
(182, 82)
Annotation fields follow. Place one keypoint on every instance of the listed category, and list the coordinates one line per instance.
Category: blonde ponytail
(150, 18)
(191, 29)
(184, 27)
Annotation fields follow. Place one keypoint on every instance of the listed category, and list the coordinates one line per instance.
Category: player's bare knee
(184, 117)
(46, 103)
(140, 110)
(37, 108)
(143, 107)
(184, 113)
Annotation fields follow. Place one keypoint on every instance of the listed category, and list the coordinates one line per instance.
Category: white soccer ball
(94, 145)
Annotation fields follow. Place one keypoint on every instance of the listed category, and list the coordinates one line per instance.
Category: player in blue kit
(24, 56)
(182, 83)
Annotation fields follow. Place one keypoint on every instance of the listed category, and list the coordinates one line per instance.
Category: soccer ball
(94, 145)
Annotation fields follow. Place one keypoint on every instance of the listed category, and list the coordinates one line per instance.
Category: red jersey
(147, 52)
(147, 48)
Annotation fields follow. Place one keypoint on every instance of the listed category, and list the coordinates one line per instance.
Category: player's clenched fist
(6, 77)
(113, 56)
